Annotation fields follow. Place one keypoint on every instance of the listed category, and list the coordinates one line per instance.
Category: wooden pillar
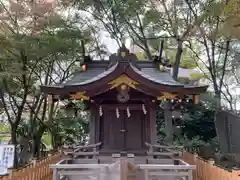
(168, 123)
(152, 120)
(97, 124)
(92, 124)
(196, 99)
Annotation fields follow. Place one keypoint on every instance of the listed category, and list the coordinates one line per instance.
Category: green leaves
(37, 47)
(196, 76)
(215, 8)
(232, 8)
(187, 60)
(151, 16)
(71, 129)
(200, 124)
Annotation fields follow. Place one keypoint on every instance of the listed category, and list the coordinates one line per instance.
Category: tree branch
(224, 64)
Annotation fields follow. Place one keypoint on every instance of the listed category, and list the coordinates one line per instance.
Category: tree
(199, 123)
(179, 23)
(145, 23)
(70, 130)
(16, 68)
(123, 20)
(38, 47)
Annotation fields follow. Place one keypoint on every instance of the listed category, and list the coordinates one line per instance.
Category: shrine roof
(97, 70)
(90, 75)
(155, 75)
(98, 75)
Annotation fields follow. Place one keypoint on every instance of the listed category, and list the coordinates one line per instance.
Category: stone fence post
(236, 172)
(211, 161)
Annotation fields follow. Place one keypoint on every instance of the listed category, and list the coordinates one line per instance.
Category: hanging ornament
(100, 111)
(128, 112)
(144, 109)
(117, 113)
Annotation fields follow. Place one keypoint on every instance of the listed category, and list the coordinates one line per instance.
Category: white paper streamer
(100, 111)
(128, 112)
(117, 113)
(144, 109)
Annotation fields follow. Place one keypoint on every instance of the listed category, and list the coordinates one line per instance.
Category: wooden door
(111, 126)
(122, 133)
(134, 134)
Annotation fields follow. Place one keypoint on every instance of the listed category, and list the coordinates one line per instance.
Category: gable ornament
(122, 79)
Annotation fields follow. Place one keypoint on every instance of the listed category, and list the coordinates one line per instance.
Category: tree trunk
(148, 53)
(14, 142)
(37, 137)
(37, 146)
(54, 140)
(218, 105)
(177, 59)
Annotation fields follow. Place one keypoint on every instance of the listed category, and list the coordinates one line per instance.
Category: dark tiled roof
(147, 70)
(98, 69)
(189, 86)
(153, 74)
(91, 75)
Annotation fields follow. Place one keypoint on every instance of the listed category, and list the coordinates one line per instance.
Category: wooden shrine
(124, 95)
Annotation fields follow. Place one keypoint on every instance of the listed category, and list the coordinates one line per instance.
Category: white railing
(167, 171)
(85, 171)
(121, 170)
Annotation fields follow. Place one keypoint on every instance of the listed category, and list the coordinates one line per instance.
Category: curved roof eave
(200, 88)
(168, 82)
(98, 83)
(98, 77)
(59, 88)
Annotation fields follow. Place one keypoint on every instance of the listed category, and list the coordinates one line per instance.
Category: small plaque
(116, 155)
(123, 154)
(123, 54)
(6, 158)
(130, 156)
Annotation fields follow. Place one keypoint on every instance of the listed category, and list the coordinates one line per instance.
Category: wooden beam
(122, 106)
(79, 96)
(87, 146)
(166, 167)
(167, 95)
(196, 99)
(92, 124)
(77, 166)
(55, 97)
(152, 120)
(50, 99)
(161, 154)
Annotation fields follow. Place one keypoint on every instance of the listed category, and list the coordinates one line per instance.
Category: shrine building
(124, 95)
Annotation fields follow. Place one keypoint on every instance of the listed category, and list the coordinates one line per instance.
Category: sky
(111, 44)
